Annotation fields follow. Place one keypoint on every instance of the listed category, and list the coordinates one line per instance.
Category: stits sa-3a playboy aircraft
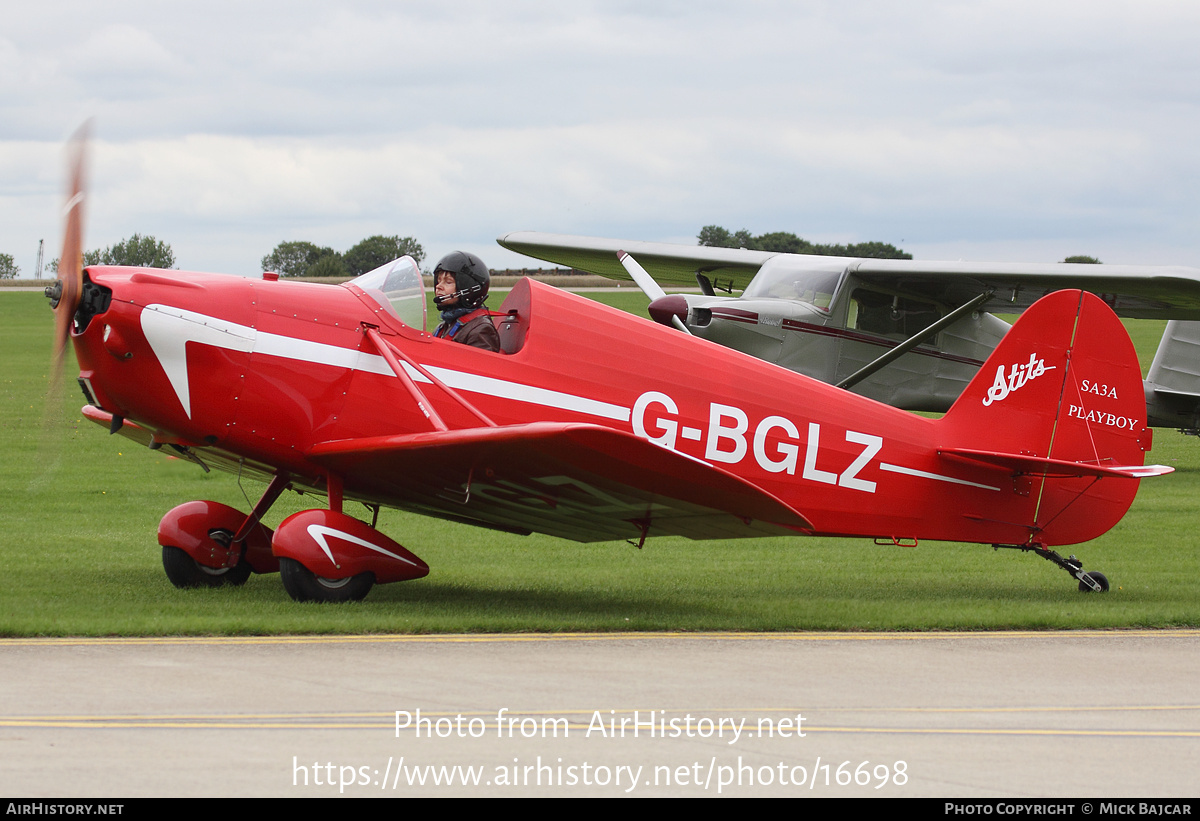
(590, 424)
(911, 333)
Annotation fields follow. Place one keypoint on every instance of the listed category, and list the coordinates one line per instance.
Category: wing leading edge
(667, 262)
(582, 482)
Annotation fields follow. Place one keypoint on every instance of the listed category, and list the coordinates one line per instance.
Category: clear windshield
(398, 287)
(813, 281)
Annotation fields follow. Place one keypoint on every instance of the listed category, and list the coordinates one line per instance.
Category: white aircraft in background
(911, 333)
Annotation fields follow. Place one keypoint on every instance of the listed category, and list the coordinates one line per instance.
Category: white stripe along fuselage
(169, 329)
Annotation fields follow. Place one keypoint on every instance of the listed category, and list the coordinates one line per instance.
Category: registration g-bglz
(725, 440)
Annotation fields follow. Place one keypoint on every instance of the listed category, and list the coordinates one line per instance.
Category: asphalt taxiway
(1072, 714)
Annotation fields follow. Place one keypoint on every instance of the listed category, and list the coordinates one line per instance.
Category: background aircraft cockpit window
(783, 278)
(887, 315)
(397, 286)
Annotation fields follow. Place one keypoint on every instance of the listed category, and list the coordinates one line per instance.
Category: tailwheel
(304, 585)
(184, 571)
(1093, 581)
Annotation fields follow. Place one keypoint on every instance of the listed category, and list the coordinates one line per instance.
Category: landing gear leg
(1090, 582)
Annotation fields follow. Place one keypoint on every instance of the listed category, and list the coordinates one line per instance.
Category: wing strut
(913, 341)
(389, 353)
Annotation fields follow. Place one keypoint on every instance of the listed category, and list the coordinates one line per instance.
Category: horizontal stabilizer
(1042, 466)
(1169, 392)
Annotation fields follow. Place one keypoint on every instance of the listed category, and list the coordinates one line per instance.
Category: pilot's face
(444, 287)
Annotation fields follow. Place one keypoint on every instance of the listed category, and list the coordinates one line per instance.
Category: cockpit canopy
(813, 280)
(397, 286)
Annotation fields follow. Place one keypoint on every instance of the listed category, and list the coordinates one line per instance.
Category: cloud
(951, 125)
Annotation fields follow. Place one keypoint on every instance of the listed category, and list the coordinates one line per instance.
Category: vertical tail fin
(1173, 383)
(1060, 405)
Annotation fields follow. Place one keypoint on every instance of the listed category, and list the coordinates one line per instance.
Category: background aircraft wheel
(1099, 578)
(184, 571)
(304, 585)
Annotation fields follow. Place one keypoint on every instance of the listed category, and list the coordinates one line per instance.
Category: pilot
(460, 286)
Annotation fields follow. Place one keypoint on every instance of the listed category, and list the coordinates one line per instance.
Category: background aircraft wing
(582, 482)
(1137, 291)
(666, 262)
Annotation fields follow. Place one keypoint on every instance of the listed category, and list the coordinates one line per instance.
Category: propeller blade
(644, 280)
(64, 294)
(649, 287)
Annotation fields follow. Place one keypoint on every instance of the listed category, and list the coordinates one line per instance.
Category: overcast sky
(1009, 130)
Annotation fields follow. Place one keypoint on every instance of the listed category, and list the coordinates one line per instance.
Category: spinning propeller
(64, 295)
(65, 292)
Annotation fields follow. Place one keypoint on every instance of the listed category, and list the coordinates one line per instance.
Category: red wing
(577, 481)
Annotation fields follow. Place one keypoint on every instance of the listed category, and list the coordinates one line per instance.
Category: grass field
(79, 509)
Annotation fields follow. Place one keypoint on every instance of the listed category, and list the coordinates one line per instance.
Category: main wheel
(184, 571)
(304, 585)
(1098, 578)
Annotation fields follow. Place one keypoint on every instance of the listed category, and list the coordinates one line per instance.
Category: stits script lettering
(1018, 375)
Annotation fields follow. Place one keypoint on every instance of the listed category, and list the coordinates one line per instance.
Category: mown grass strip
(79, 509)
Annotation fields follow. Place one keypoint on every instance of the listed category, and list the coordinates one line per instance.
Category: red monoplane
(590, 424)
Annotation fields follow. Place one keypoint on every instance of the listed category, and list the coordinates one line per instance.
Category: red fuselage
(268, 371)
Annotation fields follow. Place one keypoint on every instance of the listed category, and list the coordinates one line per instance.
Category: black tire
(304, 585)
(184, 571)
(1097, 577)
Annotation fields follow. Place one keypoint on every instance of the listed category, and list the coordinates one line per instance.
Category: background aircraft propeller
(649, 287)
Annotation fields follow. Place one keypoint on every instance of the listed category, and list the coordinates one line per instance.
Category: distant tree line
(1083, 259)
(715, 236)
(298, 259)
(137, 251)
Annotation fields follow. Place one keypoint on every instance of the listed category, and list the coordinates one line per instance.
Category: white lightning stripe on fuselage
(169, 329)
(475, 383)
(305, 350)
(939, 477)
